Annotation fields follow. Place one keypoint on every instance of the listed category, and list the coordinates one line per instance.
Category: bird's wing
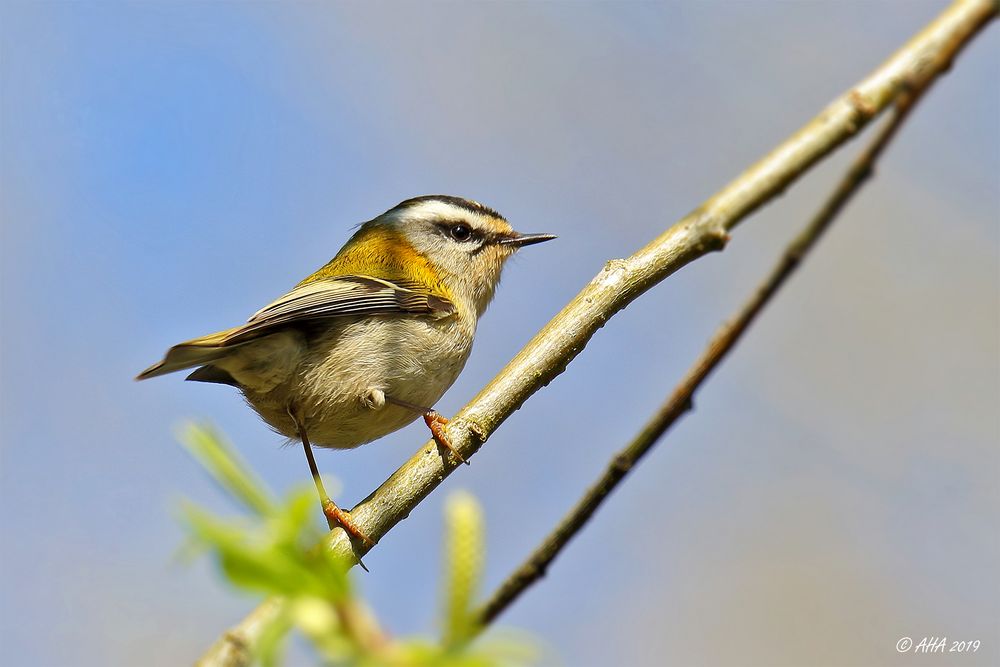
(324, 298)
(340, 296)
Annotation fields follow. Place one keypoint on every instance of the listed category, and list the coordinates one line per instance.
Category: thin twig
(235, 648)
(621, 281)
(680, 401)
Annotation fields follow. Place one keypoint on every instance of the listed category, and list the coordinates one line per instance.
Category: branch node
(614, 271)
(866, 172)
(716, 239)
(475, 430)
(622, 463)
(865, 110)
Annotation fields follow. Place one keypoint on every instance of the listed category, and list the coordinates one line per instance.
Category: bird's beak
(520, 240)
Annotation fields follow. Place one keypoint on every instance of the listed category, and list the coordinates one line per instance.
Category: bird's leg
(334, 515)
(435, 422)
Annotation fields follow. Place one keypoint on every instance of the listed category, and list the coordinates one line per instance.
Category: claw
(436, 423)
(338, 517)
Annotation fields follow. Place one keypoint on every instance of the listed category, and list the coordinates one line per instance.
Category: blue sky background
(168, 168)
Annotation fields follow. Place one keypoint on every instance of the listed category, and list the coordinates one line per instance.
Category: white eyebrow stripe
(434, 210)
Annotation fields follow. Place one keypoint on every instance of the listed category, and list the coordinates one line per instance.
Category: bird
(372, 340)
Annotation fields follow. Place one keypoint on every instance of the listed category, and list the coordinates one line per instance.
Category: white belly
(411, 359)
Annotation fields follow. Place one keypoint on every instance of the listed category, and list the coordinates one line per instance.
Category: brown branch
(680, 401)
(621, 281)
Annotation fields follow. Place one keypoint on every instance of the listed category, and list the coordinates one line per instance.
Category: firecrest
(370, 341)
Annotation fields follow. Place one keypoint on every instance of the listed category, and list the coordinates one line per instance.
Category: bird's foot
(338, 517)
(436, 423)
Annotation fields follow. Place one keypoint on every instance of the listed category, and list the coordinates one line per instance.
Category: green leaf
(280, 549)
(225, 466)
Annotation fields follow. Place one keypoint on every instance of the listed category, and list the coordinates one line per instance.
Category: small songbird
(372, 340)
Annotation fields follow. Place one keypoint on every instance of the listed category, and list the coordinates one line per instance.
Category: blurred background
(168, 168)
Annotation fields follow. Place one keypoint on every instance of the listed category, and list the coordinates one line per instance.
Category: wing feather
(342, 296)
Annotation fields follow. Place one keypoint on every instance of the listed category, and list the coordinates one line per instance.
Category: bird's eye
(460, 232)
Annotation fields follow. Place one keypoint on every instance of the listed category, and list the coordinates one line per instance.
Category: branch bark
(680, 400)
(235, 647)
(704, 230)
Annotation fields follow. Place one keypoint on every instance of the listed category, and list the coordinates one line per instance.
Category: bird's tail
(196, 352)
